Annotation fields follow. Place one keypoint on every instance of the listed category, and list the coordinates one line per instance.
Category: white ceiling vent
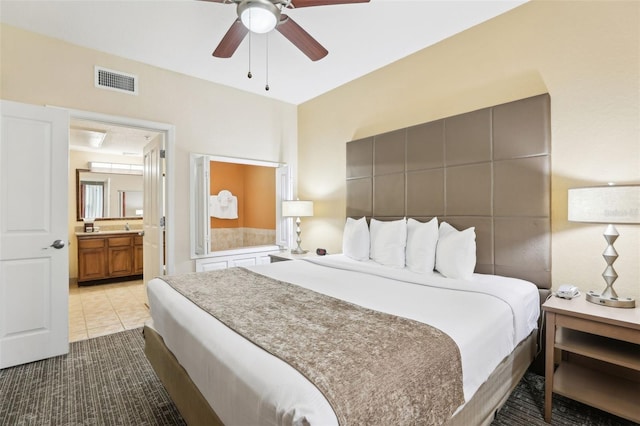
(116, 80)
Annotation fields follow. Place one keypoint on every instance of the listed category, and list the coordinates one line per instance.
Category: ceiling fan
(262, 16)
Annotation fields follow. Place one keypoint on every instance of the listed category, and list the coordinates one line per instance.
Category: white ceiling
(180, 35)
(116, 140)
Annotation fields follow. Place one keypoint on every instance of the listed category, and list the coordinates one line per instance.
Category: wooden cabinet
(109, 255)
(138, 257)
(600, 362)
(120, 256)
(92, 259)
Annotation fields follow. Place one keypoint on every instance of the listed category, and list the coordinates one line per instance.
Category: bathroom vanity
(109, 254)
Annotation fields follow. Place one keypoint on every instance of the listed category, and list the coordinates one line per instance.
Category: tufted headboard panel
(488, 168)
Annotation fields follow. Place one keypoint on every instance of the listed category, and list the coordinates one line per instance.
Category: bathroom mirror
(108, 196)
(235, 204)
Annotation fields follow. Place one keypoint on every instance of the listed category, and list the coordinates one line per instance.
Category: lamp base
(614, 302)
(298, 250)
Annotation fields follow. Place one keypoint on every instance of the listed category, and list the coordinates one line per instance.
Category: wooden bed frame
(489, 169)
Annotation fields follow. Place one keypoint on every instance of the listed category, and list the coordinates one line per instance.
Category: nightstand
(600, 362)
(285, 255)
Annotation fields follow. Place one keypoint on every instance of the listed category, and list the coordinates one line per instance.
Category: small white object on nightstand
(568, 291)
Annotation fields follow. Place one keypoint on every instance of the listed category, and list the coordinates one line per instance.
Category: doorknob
(141, 233)
(57, 244)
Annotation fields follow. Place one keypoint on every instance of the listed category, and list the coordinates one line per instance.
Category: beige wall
(208, 118)
(586, 55)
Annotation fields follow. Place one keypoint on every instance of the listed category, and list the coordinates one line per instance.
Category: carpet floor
(108, 381)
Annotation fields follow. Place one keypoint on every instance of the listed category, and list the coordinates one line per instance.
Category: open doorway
(106, 153)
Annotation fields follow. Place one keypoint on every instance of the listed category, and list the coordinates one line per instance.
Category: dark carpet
(102, 381)
(108, 381)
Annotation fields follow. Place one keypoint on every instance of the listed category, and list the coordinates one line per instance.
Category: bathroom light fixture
(607, 204)
(126, 169)
(297, 209)
(259, 16)
(95, 138)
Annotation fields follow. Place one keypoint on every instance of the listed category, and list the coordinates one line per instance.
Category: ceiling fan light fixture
(259, 16)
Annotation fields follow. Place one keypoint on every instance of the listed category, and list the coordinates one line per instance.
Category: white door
(284, 191)
(201, 223)
(34, 257)
(153, 211)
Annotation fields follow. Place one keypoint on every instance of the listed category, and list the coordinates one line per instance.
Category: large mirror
(235, 204)
(107, 196)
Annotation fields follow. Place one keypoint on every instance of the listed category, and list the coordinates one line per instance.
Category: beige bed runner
(372, 367)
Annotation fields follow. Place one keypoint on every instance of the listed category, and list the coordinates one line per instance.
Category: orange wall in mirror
(255, 189)
(260, 193)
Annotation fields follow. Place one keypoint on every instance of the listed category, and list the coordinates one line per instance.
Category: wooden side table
(600, 363)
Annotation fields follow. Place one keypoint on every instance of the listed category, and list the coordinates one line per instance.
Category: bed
(271, 392)
(491, 176)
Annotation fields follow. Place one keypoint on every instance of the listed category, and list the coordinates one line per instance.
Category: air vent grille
(116, 80)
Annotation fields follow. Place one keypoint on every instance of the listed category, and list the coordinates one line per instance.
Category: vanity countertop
(108, 232)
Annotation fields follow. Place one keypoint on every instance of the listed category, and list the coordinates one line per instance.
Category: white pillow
(422, 239)
(355, 239)
(388, 242)
(456, 252)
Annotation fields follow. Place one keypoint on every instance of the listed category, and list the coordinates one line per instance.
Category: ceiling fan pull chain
(249, 75)
(266, 87)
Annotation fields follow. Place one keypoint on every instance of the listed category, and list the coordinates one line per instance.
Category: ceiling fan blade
(301, 39)
(308, 3)
(231, 40)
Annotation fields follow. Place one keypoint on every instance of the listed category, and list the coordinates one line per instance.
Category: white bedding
(487, 317)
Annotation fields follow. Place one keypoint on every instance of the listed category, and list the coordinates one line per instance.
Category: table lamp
(297, 209)
(607, 204)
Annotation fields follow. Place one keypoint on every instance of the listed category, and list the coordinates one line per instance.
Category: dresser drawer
(91, 243)
(119, 241)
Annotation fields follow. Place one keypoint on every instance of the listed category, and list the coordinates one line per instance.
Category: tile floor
(102, 309)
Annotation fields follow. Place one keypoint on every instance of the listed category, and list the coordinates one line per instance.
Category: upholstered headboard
(488, 168)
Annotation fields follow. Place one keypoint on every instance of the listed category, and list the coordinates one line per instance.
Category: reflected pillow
(355, 239)
(456, 252)
(388, 242)
(422, 239)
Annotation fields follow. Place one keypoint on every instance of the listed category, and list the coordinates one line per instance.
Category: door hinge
(162, 220)
(163, 153)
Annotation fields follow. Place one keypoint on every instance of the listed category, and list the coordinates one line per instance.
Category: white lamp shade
(605, 204)
(297, 208)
